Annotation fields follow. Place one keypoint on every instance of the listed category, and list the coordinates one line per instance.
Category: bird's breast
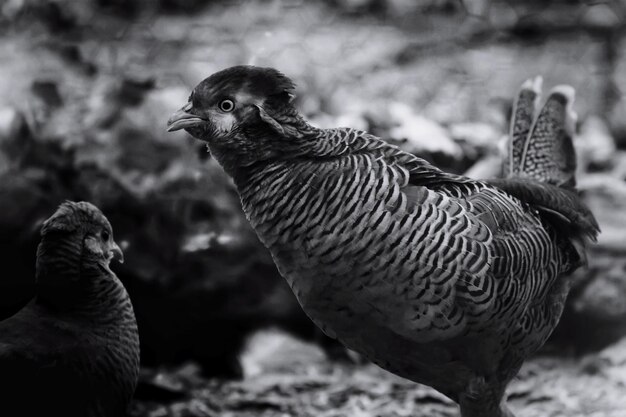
(344, 239)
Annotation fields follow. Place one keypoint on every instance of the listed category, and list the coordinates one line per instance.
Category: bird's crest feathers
(264, 115)
(71, 215)
(261, 82)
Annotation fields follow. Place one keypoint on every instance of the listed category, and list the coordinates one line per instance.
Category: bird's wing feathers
(17, 364)
(519, 258)
(35, 358)
(37, 382)
(434, 251)
(561, 208)
(22, 357)
(566, 205)
(26, 340)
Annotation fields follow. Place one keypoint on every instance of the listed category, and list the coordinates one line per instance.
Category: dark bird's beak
(183, 119)
(117, 253)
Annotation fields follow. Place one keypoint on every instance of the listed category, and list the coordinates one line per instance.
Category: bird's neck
(68, 280)
(298, 139)
(58, 262)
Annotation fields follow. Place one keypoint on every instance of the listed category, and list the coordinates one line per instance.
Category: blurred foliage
(87, 88)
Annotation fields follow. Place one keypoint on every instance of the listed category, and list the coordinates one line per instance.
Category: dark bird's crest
(257, 81)
(71, 215)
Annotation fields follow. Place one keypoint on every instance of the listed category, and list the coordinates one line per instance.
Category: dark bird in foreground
(439, 278)
(74, 349)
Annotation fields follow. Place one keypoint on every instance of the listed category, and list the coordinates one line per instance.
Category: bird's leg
(505, 411)
(484, 408)
(483, 399)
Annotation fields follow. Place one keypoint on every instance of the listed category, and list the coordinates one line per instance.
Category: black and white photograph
(313, 208)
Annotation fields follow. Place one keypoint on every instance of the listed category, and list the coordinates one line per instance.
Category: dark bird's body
(74, 349)
(439, 278)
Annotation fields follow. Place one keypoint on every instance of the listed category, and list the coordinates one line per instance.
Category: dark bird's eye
(227, 105)
(105, 236)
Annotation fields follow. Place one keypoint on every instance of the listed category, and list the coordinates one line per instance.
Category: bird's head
(241, 112)
(83, 225)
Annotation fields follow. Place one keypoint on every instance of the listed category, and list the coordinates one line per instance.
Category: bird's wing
(563, 207)
(495, 258)
(20, 361)
(34, 375)
(432, 254)
(559, 207)
(24, 341)
(16, 364)
(36, 383)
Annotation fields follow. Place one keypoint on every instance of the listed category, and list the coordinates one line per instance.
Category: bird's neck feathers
(282, 134)
(69, 279)
(292, 122)
(58, 259)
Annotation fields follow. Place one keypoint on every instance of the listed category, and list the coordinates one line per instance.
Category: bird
(442, 279)
(73, 350)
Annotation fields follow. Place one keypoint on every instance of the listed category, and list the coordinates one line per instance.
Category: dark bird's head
(244, 113)
(85, 223)
(76, 245)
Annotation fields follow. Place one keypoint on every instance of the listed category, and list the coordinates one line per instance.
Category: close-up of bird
(442, 279)
(74, 349)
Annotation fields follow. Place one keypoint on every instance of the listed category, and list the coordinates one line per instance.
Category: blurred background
(86, 88)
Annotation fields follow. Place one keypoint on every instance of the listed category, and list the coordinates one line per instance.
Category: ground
(286, 377)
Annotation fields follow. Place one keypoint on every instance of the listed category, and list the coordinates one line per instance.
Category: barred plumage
(74, 349)
(549, 157)
(439, 278)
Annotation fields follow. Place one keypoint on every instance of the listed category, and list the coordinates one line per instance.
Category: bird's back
(51, 361)
(36, 374)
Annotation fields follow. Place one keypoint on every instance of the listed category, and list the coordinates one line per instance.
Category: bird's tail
(541, 149)
(540, 143)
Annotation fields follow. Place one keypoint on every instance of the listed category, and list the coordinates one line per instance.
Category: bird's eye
(227, 105)
(105, 236)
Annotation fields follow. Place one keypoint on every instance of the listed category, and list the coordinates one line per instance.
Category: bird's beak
(183, 119)
(117, 253)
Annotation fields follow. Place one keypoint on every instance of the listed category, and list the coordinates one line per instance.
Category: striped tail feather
(524, 111)
(543, 150)
(541, 164)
